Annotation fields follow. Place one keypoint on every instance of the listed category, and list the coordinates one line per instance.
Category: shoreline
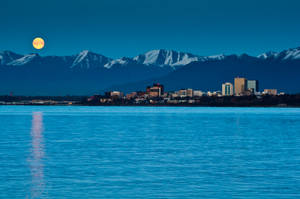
(280, 101)
(152, 105)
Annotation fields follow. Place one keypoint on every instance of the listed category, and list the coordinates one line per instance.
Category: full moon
(38, 43)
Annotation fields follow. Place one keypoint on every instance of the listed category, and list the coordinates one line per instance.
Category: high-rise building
(227, 89)
(156, 90)
(240, 85)
(252, 85)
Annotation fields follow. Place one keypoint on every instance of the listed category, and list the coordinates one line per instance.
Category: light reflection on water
(149, 152)
(36, 156)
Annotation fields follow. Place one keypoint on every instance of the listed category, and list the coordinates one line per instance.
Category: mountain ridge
(158, 57)
(88, 73)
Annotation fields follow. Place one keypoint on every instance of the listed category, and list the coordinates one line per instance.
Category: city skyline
(241, 87)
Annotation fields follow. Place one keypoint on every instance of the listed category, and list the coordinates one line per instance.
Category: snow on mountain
(121, 61)
(160, 58)
(291, 54)
(80, 57)
(8, 56)
(23, 60)
(87, 59)
(268, 55)
(166, 57)
(214, 57)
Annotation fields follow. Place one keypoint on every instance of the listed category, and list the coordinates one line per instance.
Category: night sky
(117, 28)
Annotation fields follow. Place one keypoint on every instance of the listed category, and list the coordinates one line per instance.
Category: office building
(156, 90)
(189, 92)
(270, 92)
(227, 89)
(240, 86)
(252, 85)
(182, 93)
(117, 94)
(197, 93)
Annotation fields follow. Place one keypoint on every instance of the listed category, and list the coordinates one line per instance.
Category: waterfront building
(156, 90)
(189, 92)
(209, 93)
(197, 93)
(227, 89)
(240, 86)
(174, 95)
(131, 95)
(252, 85)
(116, 94)
(270, 92)
(214, 93)
(217, 93)
(182, 92)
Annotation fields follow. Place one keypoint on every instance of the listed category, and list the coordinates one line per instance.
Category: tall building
(240, 85)
(156, 90)
(252, 85)
(227, 89)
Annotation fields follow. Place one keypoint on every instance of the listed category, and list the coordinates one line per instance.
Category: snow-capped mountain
(122, 61)
(166, 58)
(214, 57)
(88, 72)
(290, 54)
(87, 59)
(267, 55)
(8, 56)
(162, 58)
(23, 60)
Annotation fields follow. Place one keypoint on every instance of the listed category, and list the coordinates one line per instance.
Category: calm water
(149, 152)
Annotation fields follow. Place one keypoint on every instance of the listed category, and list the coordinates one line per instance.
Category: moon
(38, 43)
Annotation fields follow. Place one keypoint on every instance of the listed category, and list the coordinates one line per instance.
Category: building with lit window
(227, 89)
(252, 85)
(156, 90)
(240, 86)
(270, 92)
(189, 92)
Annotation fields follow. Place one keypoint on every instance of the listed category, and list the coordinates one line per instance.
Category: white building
(197, 93)
(227, 89)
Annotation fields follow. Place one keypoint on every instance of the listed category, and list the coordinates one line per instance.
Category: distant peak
(89, 59)
(23, 60)
(267, 55)
(121, 61)
(163, 57)
(86, 52)
(217, 57)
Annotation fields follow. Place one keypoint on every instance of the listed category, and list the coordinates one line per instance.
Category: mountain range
(88, 73)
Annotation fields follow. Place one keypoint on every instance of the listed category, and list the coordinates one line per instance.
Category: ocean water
(149, 152)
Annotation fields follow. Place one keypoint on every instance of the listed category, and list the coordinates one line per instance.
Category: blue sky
(118, 28)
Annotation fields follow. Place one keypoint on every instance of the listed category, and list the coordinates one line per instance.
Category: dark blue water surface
(149, 152)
